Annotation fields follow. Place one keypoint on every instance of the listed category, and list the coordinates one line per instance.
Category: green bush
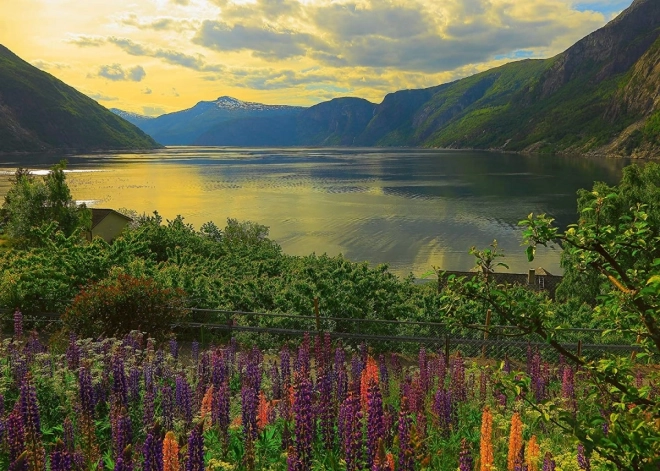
(117, 305)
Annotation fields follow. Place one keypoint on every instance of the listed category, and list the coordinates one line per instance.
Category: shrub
(122, 303)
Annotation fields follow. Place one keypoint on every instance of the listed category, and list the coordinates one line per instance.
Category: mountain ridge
(39, 113)
(600, 96)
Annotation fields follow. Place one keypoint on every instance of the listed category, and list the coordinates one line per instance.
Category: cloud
(116, 73)
(83, 40)
(47, 65)
(101, 97)
(147, 91)
(262, 41)
(162, 23)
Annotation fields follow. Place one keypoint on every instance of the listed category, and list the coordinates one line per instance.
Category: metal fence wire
(491, 341)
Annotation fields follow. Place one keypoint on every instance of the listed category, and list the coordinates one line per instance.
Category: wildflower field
(126, 404)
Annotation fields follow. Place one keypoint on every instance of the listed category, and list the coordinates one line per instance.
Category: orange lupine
(486, 445)
(533, 454)
(515, 442)
(263, 412)
(369, 372)
(170, 453)
(390, 461)
(207, 402)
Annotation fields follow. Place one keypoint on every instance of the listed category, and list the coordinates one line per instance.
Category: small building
(107, 224)
(538, 279)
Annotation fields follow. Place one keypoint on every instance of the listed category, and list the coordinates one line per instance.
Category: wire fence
(272, 329)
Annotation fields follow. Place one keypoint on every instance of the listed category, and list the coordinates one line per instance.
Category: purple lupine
(60, 458)
(174, 349)
(122, 435)
(606, 424)
(119, 382)
(19, 367)
(195, 461)
(350, 427)
(285, 367)
(356, 369)
(341, 375)
(253, 371)
(86, 392)
(125, 461)
(183, 399)
(568, 387)
(458, 385)
(319, 357)
(465, 460)
(406, 453)
(18, 324)
(537, 378)
(444, 410)
(15, 434)
(220, 412)
(442, 370)
(73, 353)
(375, 421)
(2, 415)
(218, 369)
(583, 460)
(194, 351)
(304, 419)
(507, 365)
(152, 451)
(384, 375)
(68, 435)
(167, 407)
(303, 360)
(292, 461)
(249, 408)
(548, 462)
(148, 408)
(326, 411)
(30, 415)
(276, 386)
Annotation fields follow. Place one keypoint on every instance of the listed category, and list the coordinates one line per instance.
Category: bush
(115, 306)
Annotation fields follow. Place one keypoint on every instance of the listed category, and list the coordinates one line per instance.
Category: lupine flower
(568, 387)
(21, 463)
(122, 432)
(60, 458)
(220, 412)
(170, 453)
(326, 412)
(134, 384)
(486, 445)
(174, 349)
(533, 454)
(148, 408)
(183, 399)
(152, 451)
(15, 434)
(292, 461)
(423, 370)
(341, 375)
(18, 324)
(350, 426)
(276, 386)
(606, 424)
(249, 408)
(465, 461)
(380, 461)
(32, 423)
(68, 435)
(406, 452)
(583, 460)
(195, 461)
(548, 462)
(207, 403)
(375, 421)
(119, 382)
(384, 375)
(194, 351)
(458, 386)
(2, 414)
(369, 373)
(304, 419)
(444, 410)
(515, 441)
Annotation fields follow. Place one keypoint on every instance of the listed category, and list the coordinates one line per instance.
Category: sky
(158, 56)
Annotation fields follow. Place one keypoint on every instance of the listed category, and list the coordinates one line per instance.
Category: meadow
(131, 404)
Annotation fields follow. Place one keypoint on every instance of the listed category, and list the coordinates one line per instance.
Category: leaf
(531, 250)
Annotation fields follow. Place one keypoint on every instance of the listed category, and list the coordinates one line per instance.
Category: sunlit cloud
(116, 72)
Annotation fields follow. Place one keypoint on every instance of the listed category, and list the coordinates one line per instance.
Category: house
(107, 224)
(538, 279)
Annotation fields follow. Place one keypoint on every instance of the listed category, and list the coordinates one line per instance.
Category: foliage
(122, 303)
(32, 203)
(617, 240)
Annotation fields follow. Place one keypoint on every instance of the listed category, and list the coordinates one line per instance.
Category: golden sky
(156, 56)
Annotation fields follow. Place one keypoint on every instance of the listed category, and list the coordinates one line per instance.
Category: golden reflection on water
(410, 209)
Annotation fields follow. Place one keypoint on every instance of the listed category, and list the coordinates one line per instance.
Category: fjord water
(409, 208)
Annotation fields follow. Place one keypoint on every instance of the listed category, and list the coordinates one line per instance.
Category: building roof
(99, 214)
(549, 282)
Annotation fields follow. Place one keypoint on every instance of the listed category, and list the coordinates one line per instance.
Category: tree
(617, 242)
(32, 203)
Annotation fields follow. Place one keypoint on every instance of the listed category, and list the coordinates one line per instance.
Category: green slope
(41, 113)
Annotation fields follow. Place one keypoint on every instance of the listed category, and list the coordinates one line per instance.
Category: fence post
(579, 348)
(316, 313)
(483, 348)
(447, 351)
(230, 323)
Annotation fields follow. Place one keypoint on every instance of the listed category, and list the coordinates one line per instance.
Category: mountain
(41, 113)
(601, 96)
(188, 126)
(133, 118)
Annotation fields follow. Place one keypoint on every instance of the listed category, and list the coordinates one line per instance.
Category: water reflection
(409, 208)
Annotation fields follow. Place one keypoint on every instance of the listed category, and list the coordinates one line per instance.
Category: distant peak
(228, 99)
